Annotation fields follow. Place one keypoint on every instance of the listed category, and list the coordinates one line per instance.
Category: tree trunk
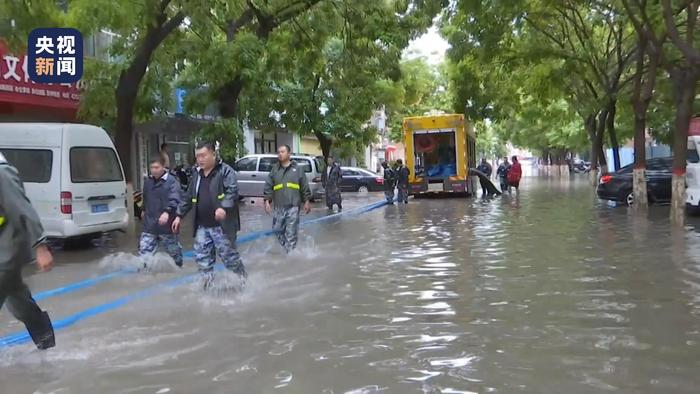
(684, 80)
(326, 144)
(228, 97)
(590, 124)
(229, 94)
(613, 134)
(642, 92)
(130, 80)
(600, 163)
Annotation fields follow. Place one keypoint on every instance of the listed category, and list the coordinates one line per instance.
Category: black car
(617, 186)
(360, 180)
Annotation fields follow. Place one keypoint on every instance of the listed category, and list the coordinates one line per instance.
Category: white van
(72, 175)
(692, 174)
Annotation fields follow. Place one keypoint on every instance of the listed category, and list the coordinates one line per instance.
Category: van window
(303, 164)
(94, 164)
(246, 164)
(692, 155)
(266, 164)
(34, 165)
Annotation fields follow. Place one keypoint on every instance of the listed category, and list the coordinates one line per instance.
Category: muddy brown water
(547, 292)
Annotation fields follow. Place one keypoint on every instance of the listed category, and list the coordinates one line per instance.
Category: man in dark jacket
(486, 169)
(286, 189)
(331, 183)
(21, 241)
(402, 174)
(213, 192)
(161, 200)
(502, 173)
(389, 182)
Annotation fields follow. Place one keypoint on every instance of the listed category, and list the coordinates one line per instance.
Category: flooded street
(548, 292)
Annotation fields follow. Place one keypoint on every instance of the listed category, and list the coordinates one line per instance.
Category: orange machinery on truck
(440, 149)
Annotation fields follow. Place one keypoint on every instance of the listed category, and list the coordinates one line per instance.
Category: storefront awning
(17, 90)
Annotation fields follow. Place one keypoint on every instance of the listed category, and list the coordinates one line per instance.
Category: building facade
(22, 100)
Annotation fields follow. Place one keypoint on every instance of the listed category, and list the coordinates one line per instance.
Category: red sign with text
(17, 88)
(694, 126)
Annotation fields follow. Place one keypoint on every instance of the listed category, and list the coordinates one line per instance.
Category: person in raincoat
(213, 194)
(286, 190)
(515, 174)
(502, 173)
(331, 183)
(161, 200)
(22, 240)
(402, 174)
(484, 168)
(389, 182)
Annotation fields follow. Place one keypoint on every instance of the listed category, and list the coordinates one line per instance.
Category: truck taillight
(66, 203)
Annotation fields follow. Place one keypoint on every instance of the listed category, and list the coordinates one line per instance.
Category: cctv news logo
(55, 55)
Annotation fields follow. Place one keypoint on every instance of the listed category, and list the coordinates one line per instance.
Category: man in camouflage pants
(286, 188)
(22, 240)
(389, 182)
(213, 192)
(161, 199)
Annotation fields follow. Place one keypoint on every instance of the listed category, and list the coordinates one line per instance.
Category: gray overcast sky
(430, 45)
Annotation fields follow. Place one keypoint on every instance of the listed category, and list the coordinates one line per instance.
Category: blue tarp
(442, 170)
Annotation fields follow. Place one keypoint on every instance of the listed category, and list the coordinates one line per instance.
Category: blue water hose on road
(245, 238)
(23, 337)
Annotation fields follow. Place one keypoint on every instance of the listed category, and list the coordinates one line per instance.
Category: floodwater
(547, 292)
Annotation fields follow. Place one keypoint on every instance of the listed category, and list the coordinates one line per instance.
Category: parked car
(360, 180)
(618, 187)
(581, 167)
(252, 172)
(72, 176)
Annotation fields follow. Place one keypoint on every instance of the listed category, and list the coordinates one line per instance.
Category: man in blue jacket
(21, 241)
(161, 200)
(213, 194)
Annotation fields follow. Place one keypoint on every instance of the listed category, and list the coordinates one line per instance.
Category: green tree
(577, 51)
(119, 91)
(421, 88)
(673, 22)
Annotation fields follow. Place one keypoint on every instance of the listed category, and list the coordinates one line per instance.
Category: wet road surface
(548, 292)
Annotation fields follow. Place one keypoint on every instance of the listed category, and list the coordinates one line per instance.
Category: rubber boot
(42, 333)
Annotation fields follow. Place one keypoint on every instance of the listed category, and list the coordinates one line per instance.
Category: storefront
(22, 100)
(177, 132)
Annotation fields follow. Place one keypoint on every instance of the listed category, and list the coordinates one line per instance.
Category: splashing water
(157, 263)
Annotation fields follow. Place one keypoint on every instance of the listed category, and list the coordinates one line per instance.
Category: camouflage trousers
(210, 241)
(403, 193)
(149, 243)
(285, 224)
(389, 194)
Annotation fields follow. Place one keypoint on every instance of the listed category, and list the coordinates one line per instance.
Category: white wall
(249, 135)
